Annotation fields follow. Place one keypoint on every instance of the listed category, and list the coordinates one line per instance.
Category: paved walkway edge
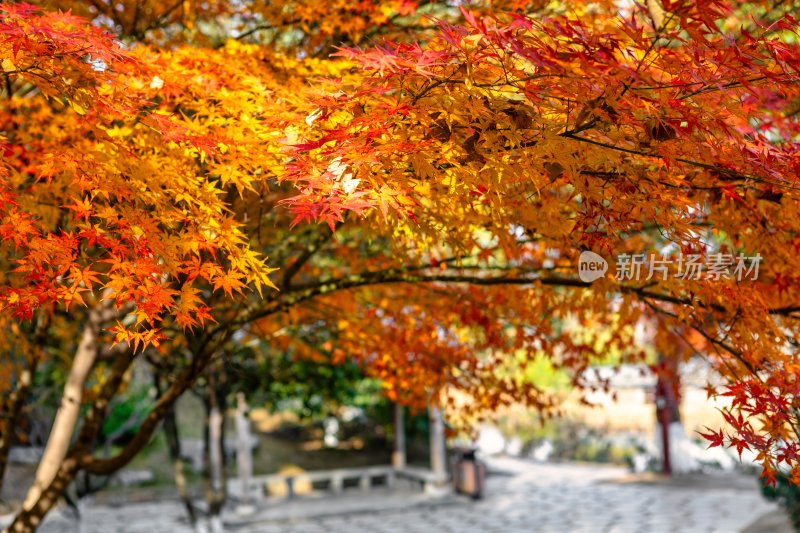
(304, 509)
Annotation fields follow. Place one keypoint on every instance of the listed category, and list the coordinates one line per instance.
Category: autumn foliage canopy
(415, 180)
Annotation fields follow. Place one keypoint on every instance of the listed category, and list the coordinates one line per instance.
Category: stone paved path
(528, 498)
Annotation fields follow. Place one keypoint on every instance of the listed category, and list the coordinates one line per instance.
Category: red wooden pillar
(667, 412)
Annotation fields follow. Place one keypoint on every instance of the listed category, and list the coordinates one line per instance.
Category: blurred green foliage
(786, 494)
(127, 413)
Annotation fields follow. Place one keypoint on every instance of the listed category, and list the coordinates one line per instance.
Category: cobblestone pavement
(527, 498)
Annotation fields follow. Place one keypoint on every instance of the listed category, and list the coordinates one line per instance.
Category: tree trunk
(216, 427)
(172, 435)
(19, 395)
(67, 415)
(81, 456)
(216, 466)
(29, 519)
(15, 402)
(216, 480)
(151, 422)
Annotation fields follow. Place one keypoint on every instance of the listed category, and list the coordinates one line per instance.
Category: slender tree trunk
(172, 434)
(16, 400)
(216, 479)
(80, 457)
(217, 466)
(19, 395)
(151, 422)
(207, 481)
(29, 519)
(67, 415)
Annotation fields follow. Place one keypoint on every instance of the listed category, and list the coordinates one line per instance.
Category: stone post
(437, 444)
(244, 452)
(399, 454)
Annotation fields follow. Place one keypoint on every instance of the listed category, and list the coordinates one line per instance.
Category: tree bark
(216, 480)
(172, 435)
(15, 402)
(29, 519)
(67, 415)
(216, 496)
(19, 395)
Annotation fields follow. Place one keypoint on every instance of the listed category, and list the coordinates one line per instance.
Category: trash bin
(468, 473)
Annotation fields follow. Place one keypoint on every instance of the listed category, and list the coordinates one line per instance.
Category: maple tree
(426, 197)
(674, 139)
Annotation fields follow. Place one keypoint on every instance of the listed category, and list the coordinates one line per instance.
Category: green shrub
(787, 494)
